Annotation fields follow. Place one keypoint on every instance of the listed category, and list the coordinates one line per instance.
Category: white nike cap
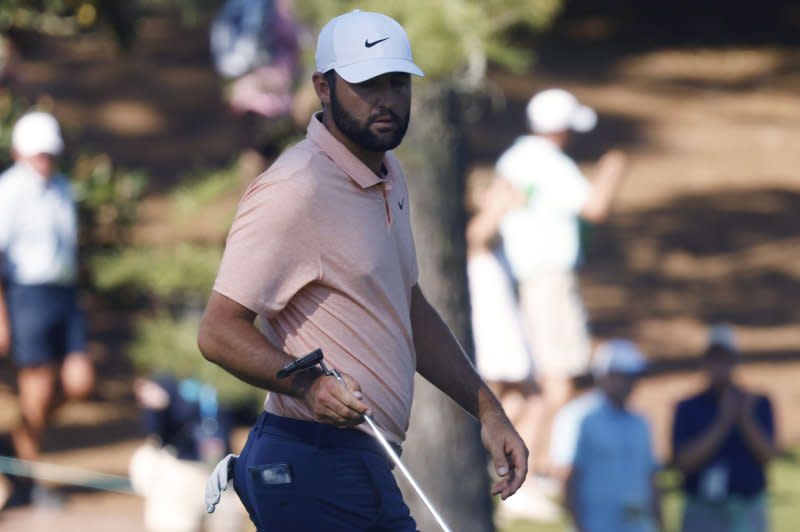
(36, 133)
(556, 110)
(617, 356)
(361, 45)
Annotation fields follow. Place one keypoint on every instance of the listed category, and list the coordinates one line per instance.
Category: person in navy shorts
(41, 325)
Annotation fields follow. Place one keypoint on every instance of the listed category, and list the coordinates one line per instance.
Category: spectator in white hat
(723, 438)
(541, 237)
(41, 324)
(604, 451)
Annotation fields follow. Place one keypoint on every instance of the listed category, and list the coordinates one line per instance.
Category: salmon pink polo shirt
(321, 249)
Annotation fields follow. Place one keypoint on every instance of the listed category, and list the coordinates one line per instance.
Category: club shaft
(406, 473)
(397, 462)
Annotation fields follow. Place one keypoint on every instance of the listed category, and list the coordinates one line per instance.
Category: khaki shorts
(556, 323)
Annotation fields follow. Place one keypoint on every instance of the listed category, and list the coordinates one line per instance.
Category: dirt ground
(705, 228)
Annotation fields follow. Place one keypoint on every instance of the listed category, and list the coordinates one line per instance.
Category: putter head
(301, 364)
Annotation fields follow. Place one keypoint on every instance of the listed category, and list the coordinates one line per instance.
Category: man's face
(618, 387)
(43, 163)
(720, 370)
(373, 114)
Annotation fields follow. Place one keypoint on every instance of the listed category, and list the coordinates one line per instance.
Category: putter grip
(301, 364)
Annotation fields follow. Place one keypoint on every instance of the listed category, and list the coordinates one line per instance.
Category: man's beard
(360, 134)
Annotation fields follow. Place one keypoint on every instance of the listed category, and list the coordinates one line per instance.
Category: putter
(315, 358)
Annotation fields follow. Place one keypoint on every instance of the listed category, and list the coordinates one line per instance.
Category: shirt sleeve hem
(248, 302)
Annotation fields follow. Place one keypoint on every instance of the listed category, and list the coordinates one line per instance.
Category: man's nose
(387, 94)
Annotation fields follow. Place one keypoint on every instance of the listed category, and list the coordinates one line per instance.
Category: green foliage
(11, 108)
(107, 199)
(62, 17)
(452, 37)
(175, 282)
(183, 273)
(167, 344)
(199, 192)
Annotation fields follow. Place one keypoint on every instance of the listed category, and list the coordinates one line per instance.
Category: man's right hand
(334, 403)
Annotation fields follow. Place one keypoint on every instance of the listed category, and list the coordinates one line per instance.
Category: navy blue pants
(300, 476)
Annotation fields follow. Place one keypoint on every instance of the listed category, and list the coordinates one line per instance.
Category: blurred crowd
(255, 46)
(568, 394)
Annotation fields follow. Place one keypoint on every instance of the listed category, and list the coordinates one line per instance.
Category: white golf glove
(218, 481)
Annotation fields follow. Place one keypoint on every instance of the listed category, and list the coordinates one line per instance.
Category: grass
(784, 496)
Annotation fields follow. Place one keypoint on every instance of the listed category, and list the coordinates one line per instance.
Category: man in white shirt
(40, 322)
(542, 240)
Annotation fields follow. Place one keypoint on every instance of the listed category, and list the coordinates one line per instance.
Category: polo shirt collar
(339, 154)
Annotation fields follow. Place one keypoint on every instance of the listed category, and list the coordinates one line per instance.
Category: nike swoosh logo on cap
(371, 44)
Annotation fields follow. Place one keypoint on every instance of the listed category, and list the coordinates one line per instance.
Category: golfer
(321, 251)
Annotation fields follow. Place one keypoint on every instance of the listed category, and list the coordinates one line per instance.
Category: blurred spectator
(188, 431)
(723, 438)
(42, 326)
(501, 352)
(541, 239)
(185, 416)
(604, 451)
(255, 44)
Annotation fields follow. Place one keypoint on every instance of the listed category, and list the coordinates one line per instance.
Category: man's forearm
(694, 454)
(234, 343)
(443, 362)
(605, 183)
(757, 441)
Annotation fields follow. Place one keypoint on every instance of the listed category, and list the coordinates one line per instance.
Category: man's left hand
(508, 451)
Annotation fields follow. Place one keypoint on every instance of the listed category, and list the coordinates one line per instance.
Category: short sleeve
(582, 452)
(6, 215)
(564, 438)
(512, 166)
(272, 250)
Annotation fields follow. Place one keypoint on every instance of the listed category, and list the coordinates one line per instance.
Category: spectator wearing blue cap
(604, 452)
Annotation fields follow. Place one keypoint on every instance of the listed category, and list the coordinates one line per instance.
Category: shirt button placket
(387, 187)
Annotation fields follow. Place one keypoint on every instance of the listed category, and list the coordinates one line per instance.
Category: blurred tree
(68, 17)
(453, 42)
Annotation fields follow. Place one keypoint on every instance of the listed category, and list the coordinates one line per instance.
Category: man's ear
(322, 88)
